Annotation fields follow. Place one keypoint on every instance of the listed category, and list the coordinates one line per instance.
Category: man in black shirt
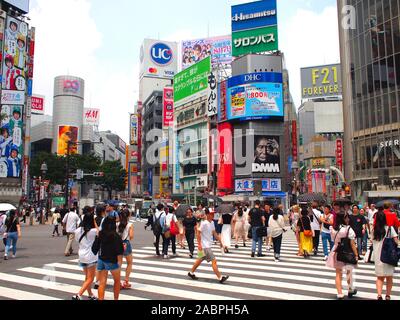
(359, 224)
(256, 220)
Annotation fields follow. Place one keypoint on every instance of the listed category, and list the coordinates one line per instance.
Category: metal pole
(67, 177)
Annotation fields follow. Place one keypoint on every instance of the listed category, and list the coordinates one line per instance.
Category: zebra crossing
(153, 278)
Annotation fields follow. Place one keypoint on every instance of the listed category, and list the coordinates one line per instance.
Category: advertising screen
(219, 48)
(134, 130)
(192, 82)
(67, 134)
(255, 101)
(267, 155)
(22, 5)
(323, 81)
(256, 14)
(15, 55)
(11, 141)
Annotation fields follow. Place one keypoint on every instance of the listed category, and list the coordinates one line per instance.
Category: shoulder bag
(174, 229)
(307, 233)
(390, 251)
(344, 251)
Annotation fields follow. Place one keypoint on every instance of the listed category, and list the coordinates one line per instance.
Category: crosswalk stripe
(53, 285)
(278, 267)
(189, 283)
(17, 294)
(187, 294)
(280, 275)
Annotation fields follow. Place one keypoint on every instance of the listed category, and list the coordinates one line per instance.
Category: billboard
(92, 116)
(11, 141)
(268, 185)
(21, 5)
(192, 82)
(222, 101)
(321, 81)
(267, 155)
(255, 101)
(133, 130)
(168, 107)
(158, 59)
(37, 104)
(15, 55)
(225, 153)
(254, 15)
(255, 41)
(67, 134)
(218, 48)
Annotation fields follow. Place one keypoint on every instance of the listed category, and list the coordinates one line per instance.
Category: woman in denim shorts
(125, 230)
(111, 249)
(85, 235)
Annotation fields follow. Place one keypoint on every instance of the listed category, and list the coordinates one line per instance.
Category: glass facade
(374, 48)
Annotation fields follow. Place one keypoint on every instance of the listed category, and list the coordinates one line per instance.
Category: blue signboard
(255, 101)
(254, 15)
(272, 77)
(30, 87)
(150, 184)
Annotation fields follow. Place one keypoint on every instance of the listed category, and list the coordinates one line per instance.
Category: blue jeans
(12, 239)
(360, 242)
(327, 240)
(365, 242)
(256, 240)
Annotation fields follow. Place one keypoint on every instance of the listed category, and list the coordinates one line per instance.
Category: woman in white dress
(239, 221)
(383, 271)
(342, 230)
(295, 216)
(226, 235)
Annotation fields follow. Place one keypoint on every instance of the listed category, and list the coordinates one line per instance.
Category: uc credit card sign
(254, 15)
(255, 101)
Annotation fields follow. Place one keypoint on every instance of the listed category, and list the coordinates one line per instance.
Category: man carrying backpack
(159, 216)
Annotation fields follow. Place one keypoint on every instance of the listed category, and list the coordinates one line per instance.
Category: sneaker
(14, 256)
(165, 257)
(253, 255)
(5, 258)
(268, 248)
(340, 296)
(96, 285)
(76, 297)
(261, 255)
(191, 256)
(93, 298)
(352, 293)
(236, 246)
(326, 258)
(223, 279)
(175, 255)
(192, 276)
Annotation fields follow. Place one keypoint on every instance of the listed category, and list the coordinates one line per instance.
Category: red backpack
(174, 228)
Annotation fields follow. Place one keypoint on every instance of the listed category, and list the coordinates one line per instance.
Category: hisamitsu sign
(322, 81)
(254, 15)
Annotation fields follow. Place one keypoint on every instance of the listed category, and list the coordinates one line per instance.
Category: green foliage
(56, 167)
(114, 176)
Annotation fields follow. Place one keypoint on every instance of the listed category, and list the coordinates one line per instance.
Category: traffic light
(98, 174)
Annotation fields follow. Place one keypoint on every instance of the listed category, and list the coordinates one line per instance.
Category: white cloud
(67, 40)
(309, 39)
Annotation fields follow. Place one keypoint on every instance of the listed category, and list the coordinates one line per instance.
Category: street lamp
(44, 170)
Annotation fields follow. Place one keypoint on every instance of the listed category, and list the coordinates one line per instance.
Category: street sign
(98, 174)
(79, 174)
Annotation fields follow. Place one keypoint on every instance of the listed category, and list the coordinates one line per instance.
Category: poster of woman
(67, 135)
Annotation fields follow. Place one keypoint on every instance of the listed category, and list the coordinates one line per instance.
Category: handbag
(307, 233)
(390, 252)
(250, 233)
(344, 251)
(174, 229)
(262, 232)
(96, 246)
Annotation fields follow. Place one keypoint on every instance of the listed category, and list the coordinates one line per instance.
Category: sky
(100, 41)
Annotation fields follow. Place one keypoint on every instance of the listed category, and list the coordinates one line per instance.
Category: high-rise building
(370, 56)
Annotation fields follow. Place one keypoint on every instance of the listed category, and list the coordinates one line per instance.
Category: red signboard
(222, 102)
(339, 154)
(294, 141)
(168, 107)
(37, 105)
(225, 153)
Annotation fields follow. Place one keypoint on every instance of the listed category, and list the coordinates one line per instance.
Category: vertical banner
(222, 115)
(225, 154)
(294, 141)
(168, 107)
(134, 120)
(212, 94)
(150, 181)
(309, 180)
(339, 154)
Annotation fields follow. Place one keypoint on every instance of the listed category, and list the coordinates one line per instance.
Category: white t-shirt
(330, 219)
(169, 218)
(85, 246)
(371, 215)
(3, 223)
(315, 226)
(125, 234)
(276, 226)
(206, 229)
(72, 220)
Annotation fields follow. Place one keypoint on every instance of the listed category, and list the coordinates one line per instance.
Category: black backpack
(157, 228)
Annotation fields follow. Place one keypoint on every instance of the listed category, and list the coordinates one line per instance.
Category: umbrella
(225, 208)
(310, 197)
(181, 210)
(391, 201)
(6, 207)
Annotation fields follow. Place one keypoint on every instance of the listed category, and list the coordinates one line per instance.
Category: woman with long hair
(12, 233)
(294, 221)
(125, 230)
(305, 233)
(85, 235)
(384, 272)
(111, 250)
(342, 230)
(239, 221)
(277, 226)
(226, 235)
(189, 225)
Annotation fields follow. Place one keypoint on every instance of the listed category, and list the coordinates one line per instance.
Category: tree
(114, 177)
(55, 165)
